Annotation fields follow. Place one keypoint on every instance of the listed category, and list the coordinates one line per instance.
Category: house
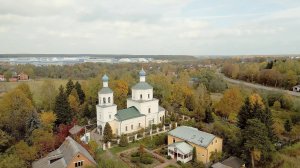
(2, 78)
(69, 155)
(231, 162)
(23, 76)
(14, 77)
(296, 88)
(183, 139)
(142, 110)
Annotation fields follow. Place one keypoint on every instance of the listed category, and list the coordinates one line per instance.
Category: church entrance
(100, 129)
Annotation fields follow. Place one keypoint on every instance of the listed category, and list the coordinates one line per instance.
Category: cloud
(149, 26)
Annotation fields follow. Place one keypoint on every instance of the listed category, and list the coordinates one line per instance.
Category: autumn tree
(107, 133)
(62, 107)
(120, 88)
(11, 161)
(48, 94)
(48, 119)
(123, 140)
(26, 152)
(230, 103)
(44, 140)
(74, 101)
(208, 115)
(288, 125)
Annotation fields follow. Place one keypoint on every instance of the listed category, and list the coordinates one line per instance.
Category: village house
(183, 139)
(69, 155)
(23, 76)
(296, 88)
(142, 110)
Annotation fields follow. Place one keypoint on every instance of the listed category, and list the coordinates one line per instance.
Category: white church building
(142, 110)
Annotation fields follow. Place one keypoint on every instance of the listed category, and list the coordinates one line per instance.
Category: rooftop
(128, 113)
(193, 135)
(183, 147)
(142, 86)
(105, 90)
(61, 157)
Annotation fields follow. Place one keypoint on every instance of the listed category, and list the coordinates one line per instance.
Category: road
(258, 86)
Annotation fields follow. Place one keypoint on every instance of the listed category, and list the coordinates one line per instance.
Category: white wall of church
(142, 94)
(106, 99)
(144, 107)
(132, 125)
(106, 113)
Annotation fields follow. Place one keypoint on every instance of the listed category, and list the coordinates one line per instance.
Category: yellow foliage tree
(48, 118)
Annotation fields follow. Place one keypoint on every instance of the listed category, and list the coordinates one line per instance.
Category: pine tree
(62, 107)
(194, 155)
(86, 111)
(107, 134)
(244, 114)
(208, 115)
(80, 92)
(123, 140)
(69, 87)
(288, 125)
(256, 142)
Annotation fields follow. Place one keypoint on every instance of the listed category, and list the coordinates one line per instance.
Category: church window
(174, 140)
(126, 128)
(110, 116)
(159, 118)
(131, 127)
(141, 96)
(149, 110)
(104, 100)
(139, 124)
(108, 99)
(148, 96)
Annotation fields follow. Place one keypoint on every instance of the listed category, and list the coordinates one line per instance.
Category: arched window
(141, 96)
(108, 99)
(104, 100)
(149, 110)
(148, 96)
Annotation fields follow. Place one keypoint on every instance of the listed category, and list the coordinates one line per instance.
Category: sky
(168, 27)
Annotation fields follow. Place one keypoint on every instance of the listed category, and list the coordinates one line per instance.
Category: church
(142, 110)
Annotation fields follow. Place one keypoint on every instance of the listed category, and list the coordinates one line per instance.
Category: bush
(135, 154)
(277, 105)
(146, 160)
(135, 159)
(179, 162)
(169, 157)
(123, 141)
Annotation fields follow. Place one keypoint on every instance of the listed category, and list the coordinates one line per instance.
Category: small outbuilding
(231, 162)
(296, 88)
(181, 151)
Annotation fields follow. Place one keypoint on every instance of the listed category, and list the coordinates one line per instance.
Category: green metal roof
(105, 90)
(142, 86)
(193, 135)
(128, 113)
(184, 147)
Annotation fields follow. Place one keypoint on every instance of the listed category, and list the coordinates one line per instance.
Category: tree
(120, 88)
(107, 134)
(62, 107)
(48, 94)
(230, 104)
(73, 100)
(28, 153)
(43, 140)
(194, 155)
(123, 140)
(256, 142)
(208, 115)
(32, 123)
(69, 87)
(80, 92)
(47, 119)
(16, 109)
(5, 141)
(11, 161)
(277, 105)
(288, 125)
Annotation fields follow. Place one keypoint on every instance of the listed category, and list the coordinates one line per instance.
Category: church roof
(142, 86)
(193, 135)
(105, 78)
(128, 113)
(105, 90)
(142, 72)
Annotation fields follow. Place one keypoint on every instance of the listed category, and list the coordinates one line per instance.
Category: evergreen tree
(268, 121)
(62, 107)
(244, 114)
(208, 115)
(288, 125)
(80, 92)
(107, 134)
(194, 155)
(86, 111)
(123, 140)
(269, 65)
(256, 143)
(69, 87)
(32, 123)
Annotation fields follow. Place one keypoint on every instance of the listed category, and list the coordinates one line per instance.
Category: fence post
(104, 146)
(108, 144)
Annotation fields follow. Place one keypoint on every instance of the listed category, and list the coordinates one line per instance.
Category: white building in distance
(142, 109)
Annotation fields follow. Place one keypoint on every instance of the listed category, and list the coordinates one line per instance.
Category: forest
(260, 127)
